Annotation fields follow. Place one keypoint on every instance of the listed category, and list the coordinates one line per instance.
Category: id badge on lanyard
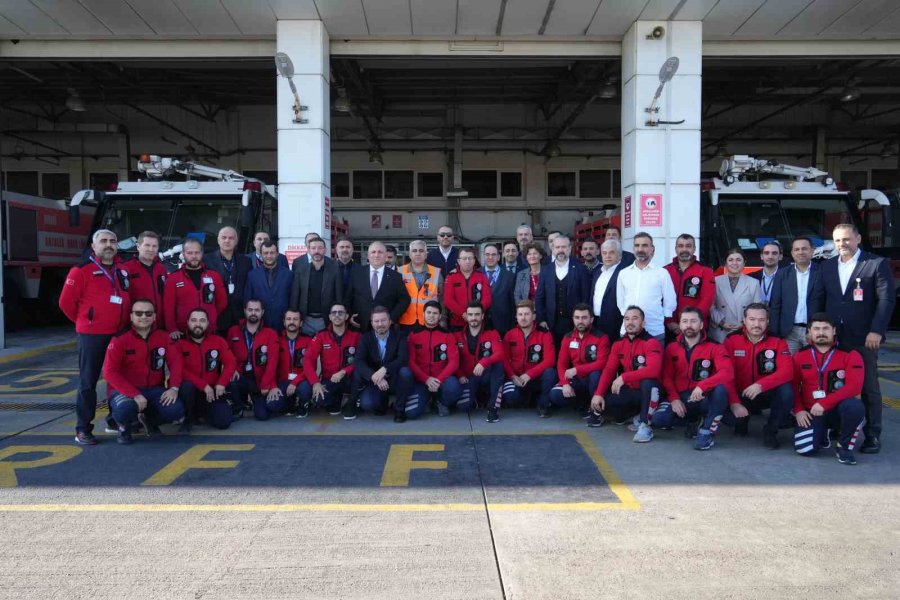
(819, 394)
(248, 341)
(858, 291)
(114, 298)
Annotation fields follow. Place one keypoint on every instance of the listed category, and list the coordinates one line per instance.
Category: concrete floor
(525, 509)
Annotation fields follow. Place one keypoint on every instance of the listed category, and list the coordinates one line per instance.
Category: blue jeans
(448, 395)
(710, 408)
(584, 390)
(630, 401)
(372, 399)
(302, 393)
(491, 380)
(514, 396)
(125, 410)
(849, 416)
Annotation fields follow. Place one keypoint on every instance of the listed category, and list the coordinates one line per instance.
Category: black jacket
(502, 315)
(609, 321)
(391, 294)
(783, 304)
(368, 358)
(242, 267)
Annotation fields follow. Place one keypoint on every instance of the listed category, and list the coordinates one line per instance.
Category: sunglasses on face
(445, 235)
(143, 313)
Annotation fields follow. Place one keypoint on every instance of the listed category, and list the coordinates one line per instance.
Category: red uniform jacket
(208, 362)
(587, 354)
(96, 298)
(841, 379)
(432, 353)
(767, 362)
(148, 284)
(181, 297)
(336, 354)
(695, 287)
(263, 353)
(459, 291)
(290, 361)
(709, 366)
(530, 356)
(133, 362)
(634, 359)
(488, 351)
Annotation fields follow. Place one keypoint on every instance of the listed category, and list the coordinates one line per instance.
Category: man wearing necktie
(373, 286)
(502, 282)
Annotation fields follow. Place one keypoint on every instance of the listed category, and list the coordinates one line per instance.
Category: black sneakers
(399, 417)
(493, 415)
(770, 439)
(742, 426)
(871, 445)
(349, 410)
(123, 436)
(595, 419)
(844, 456)
(85, 438)
(543, 412)
(303, 410)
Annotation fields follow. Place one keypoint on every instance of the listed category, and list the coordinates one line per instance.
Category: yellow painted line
(37, 352)
(891, 402)
(618, 487)
(287, 508)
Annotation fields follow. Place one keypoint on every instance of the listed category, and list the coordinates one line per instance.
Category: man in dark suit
(233, 269)
(272, 285)
(381, 367)
(614, 233)
(255, 257)
(607, 318)
(770, 255)
(444, 256)
(561, 285)
(374, 285)
(502, 315)
(796, 289)
(860, 296)
(317, 284)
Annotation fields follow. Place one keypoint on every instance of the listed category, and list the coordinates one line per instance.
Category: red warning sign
(651, 210)
(626, 219)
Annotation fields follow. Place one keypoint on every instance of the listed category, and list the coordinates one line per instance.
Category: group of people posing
(612, 335)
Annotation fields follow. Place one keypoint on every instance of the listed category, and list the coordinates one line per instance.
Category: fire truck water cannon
(160, 167)
(746, 168)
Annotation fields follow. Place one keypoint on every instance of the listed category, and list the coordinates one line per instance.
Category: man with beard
(270, 284)
(697, 374)
(423, 282)
(207, 367)
(256, 258)
(770, 255)
(524, 236)
(529, 362)
(511, 257)
(480, 359)
(190, 287)
(336, 346)
(381, 367)
(95, 297)
(147, 274)
(762, 374)
(582, 355)
(630, 378)
(695, 284)
(463, 286)
(445, 255)
(590, 252)
(648, 286)
(827, 385)
(255, 350)
(433, 360)
(343, 252)
(291, 377)
(559, 289)
(135, 371)
(316, 285)
(233, 269)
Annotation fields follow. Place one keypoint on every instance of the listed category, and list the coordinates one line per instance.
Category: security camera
(657, 34)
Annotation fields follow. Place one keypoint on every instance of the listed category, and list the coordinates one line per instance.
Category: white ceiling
(609, 19)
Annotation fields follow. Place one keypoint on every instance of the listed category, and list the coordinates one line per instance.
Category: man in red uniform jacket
(695, 284)
(147, 274)
(433, 360)
(463, 286)
(763, 373)
(480, 359)
(207, 367)
(336, 346)
(192, 286)
(631, 378)
(135, 373)
(581, 357)
(697, 374)
(827, 384)
(291, 377)
(255, 350)
(95, 297)
(529, 362)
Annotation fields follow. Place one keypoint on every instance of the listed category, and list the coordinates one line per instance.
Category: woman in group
(527, 279)
(734, 291)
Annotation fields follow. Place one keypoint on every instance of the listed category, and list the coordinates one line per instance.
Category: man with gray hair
(423, 283)
(95, 298)
(373, 286)
(607, 317)
(525, 236)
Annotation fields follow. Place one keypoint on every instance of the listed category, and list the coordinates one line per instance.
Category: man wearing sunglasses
(135, 373)
(444, 256)
(336, 346)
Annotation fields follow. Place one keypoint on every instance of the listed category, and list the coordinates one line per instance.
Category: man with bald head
(233, 268)
(374, 285)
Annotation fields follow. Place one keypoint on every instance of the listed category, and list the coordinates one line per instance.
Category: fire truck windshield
(748, 222)
(171, 217)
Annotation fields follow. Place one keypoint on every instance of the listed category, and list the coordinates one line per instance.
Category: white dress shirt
(606, 274)
(447, 253)
(845, 270)
(651, 289)
(561, 271)
(802, 287)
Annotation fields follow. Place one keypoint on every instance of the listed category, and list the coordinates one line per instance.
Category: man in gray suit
(317, 285)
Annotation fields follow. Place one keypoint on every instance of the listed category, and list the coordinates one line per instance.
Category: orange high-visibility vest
(419, 296)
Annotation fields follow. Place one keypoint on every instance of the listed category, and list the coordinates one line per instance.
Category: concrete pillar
(661, 164)
(304, 149)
